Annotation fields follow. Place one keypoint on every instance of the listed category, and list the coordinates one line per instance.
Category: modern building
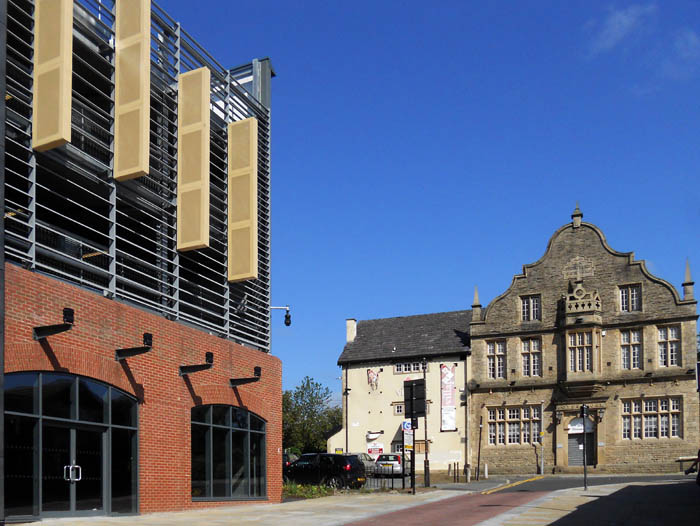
(136, 177)
(583, 325)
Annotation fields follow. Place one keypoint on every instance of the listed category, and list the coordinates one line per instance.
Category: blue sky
(419, 150)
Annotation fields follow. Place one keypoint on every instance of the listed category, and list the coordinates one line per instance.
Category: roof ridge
(417, 315)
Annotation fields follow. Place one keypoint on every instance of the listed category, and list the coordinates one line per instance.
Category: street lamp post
(426, 462)
(584, 417)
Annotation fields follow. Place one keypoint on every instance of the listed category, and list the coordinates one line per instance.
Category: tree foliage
(308, 417)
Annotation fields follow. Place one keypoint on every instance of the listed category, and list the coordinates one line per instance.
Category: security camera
(209, 357)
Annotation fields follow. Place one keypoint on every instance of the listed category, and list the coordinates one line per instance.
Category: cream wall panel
(193, 160)
(53, 70)
(372, 410)
(243, 200)
(132, 102)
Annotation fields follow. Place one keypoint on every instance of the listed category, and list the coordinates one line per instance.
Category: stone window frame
(629, 297)
(652, 418)
(496, 361)
(627, 349)
(580, 355)
(669, 356)
(531, 356)
(531, 307)
(398, 408)
(505, 422)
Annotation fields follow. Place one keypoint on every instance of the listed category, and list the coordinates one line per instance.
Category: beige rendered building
(584, 324)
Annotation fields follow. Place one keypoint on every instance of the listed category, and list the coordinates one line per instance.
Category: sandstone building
(584, 324)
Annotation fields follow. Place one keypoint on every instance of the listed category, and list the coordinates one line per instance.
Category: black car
(335, 471)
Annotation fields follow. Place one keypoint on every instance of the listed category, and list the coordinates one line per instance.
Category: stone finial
(688, 284)
(476, 306)
(577, 216)
(351, 329)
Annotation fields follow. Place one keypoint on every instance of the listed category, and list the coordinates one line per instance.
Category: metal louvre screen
(53, 32)
(65, 214)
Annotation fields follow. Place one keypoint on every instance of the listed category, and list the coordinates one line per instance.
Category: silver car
(367, 460)
(388, 465)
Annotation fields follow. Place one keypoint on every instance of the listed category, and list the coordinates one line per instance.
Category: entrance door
(576, 449)
(72, 470)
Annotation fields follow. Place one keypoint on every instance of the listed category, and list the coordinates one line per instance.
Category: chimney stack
(350, 329)
(688, 283)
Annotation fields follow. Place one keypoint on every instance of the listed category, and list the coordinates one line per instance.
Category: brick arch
(218, 394)
(67, 359)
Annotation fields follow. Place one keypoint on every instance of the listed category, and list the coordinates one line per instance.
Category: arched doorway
(70, 446)
(576, 440)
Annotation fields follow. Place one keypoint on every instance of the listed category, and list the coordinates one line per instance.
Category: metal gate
(576, 449)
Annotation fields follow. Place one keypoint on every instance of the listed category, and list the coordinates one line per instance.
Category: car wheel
(334, 482)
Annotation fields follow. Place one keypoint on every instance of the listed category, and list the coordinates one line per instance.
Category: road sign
(408, 440)
(414, 398)
(406, 425)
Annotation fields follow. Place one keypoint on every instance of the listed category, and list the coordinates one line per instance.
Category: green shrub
(302, 491)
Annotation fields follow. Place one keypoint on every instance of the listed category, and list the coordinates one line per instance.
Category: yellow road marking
(488, 492)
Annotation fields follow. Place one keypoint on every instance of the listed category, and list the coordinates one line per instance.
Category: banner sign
(448, 398)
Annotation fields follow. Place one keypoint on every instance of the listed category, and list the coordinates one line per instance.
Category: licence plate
(360, 479)
(386, 465)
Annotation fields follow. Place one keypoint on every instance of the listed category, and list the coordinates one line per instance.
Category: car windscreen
(305, 460)
(388, 458)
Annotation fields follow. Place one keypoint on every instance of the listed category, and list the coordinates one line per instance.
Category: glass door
(72, 470)
(55, 469)
(88, 481)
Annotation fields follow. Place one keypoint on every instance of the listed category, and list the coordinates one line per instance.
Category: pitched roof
(409, 337)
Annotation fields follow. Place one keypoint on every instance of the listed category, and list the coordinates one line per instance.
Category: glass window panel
(239, 418)
(201, 414)
(92, 397)
(220, 415)
(239, 484)
(200, 480)
(20, 464)
(124, 409)
(124, 471)
(221, 461)
(257, 465)
(58, 395)
(20, 392)
(258, 424)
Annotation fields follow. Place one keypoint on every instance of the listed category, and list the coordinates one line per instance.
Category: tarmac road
(655, 500)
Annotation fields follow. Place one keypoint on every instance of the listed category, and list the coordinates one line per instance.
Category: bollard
(486, 471)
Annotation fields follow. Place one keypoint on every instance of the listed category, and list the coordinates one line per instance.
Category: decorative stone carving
(578, 268)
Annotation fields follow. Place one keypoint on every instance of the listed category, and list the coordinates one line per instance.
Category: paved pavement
(634, 503)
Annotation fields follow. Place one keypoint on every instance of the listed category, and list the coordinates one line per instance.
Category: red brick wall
(103, 325)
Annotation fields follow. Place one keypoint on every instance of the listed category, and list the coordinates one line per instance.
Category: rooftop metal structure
(66, 216)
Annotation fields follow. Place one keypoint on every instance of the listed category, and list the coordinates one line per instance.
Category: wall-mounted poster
(448, 398)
